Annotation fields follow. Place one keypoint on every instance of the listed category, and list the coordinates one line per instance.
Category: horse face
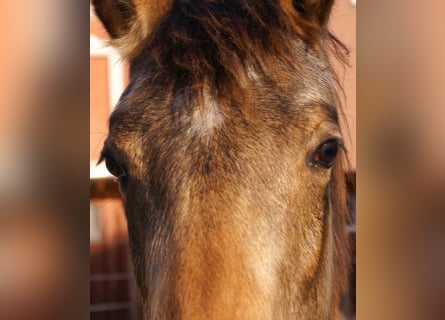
(225, 151)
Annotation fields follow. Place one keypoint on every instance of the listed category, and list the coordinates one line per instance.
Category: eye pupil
(113, 167)
(326, 153)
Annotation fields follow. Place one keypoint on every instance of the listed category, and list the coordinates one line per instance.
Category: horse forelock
(218, 42)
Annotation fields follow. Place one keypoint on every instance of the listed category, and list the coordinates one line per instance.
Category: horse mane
(340, 218)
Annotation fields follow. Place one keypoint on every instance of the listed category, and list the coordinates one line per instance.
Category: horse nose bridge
(227, 248)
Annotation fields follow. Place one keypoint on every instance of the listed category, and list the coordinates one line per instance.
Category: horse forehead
(206, 118)
(202, 115)
(142, 106)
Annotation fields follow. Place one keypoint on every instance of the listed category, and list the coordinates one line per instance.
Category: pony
(228, 152)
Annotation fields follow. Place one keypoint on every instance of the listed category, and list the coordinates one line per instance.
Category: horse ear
(315, 11)
(115, 15)
(128, 22)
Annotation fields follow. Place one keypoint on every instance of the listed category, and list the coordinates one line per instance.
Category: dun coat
(228, 152)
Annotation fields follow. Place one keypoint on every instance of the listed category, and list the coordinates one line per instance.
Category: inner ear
(115, 15)
(316, 11)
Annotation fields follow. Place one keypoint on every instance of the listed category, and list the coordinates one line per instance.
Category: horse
(229, 155)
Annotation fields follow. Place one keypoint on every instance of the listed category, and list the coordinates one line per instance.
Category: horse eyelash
(102, 158)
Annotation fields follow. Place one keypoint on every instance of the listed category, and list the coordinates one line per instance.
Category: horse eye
(326, 153)
(113, 167)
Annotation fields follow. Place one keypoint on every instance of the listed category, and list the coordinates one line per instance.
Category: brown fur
(228, 218)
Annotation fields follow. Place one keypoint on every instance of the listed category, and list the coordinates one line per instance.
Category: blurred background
(44, 141)
(401, 193)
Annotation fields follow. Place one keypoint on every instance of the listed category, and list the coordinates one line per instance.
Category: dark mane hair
(210, 40)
